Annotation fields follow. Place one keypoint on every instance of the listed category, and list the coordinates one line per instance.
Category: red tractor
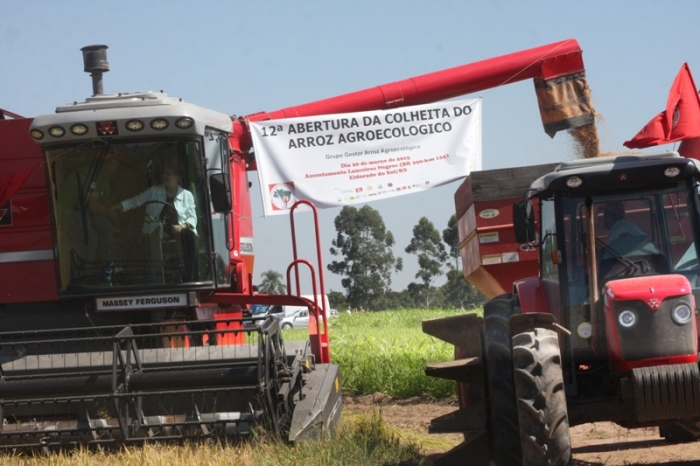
(608, 328)
(126, 262)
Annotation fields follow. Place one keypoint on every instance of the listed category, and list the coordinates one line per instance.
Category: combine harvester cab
(126, 261)
(606, 327)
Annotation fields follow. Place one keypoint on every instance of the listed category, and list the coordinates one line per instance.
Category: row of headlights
(681, 315)
(576, 181)
(80, 129)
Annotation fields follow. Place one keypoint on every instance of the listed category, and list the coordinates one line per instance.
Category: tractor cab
(619, 255)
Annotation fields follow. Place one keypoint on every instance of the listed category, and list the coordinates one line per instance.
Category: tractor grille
(655, 335)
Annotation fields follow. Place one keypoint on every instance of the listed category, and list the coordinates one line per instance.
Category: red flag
(680, 120)
(10, 185)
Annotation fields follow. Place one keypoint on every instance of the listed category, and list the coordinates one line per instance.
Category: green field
(387, 352)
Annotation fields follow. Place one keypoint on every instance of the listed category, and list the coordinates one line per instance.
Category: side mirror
(523, 221)
(220, 188)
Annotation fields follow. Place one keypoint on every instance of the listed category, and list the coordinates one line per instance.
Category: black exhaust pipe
(95, 61)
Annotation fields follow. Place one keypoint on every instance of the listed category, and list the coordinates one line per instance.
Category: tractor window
(129, 214)
(682, 248)
(630, 238)
(549, 258)
(574, 252)
(639, 233)
(623, 222)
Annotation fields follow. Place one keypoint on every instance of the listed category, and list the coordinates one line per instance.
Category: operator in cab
(170, 214)
(629, 250)
(617, 225)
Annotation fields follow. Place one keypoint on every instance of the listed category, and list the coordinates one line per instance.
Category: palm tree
(272, 283)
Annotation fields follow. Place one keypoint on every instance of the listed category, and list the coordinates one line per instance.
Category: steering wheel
(155, 201)
(165, 204)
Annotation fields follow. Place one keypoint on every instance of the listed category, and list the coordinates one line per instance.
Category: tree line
(366, 262)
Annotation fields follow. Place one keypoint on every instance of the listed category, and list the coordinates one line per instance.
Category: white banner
(343, 159)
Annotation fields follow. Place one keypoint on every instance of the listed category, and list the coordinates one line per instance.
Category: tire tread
(539, 386)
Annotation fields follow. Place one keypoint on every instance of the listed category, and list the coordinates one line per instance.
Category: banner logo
(282, 196)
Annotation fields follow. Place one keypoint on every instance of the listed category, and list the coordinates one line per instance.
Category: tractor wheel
(500, 394)
(681, 430)
(539, 387)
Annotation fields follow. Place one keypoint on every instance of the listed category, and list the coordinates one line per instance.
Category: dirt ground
(596, 444)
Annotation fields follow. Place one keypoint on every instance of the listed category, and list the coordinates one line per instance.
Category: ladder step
(464, 420)
(467, 370)
(461, 331)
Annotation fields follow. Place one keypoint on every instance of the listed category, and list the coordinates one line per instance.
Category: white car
(300, 319)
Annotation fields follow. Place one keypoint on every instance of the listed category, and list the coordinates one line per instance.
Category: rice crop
(387, 352)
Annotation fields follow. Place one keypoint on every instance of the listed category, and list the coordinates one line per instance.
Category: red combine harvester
(126, 260)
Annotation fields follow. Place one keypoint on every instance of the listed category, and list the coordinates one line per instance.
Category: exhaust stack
(95, 63)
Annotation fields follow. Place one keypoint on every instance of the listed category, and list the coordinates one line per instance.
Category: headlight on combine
(36, 134)
(184, 123)
(134, 125)
(79, 129)
(682, 314)
(57, 131)
(159, 124)
(627, 318)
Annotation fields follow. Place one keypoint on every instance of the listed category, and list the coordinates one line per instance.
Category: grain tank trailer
(608, 331)
(110, 328)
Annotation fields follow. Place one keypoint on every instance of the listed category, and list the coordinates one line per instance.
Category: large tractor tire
(541, 399)
(504, 432)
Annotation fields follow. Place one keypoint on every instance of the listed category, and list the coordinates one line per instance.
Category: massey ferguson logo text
(115, 303)
(107, 128)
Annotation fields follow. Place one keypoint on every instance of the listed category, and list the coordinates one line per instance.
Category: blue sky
(244, 57)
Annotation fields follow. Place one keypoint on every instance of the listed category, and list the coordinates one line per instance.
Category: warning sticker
(510, 257)
(491, 259)
(491, 237)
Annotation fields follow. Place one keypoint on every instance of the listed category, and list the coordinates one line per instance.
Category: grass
(359, 441)
(387, 352)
